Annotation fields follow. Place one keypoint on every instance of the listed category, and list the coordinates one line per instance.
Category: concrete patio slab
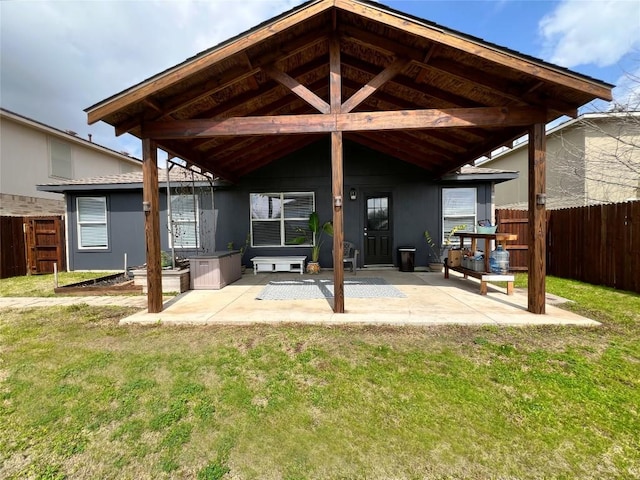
(429, 300)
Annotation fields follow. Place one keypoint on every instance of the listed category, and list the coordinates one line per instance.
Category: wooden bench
(484, 277)
(278, 264)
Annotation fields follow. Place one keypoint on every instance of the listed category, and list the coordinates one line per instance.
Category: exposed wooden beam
(151, 208)
(537, 219)
(374, 84)
(352, 122)
(297, 88)
(451, 39)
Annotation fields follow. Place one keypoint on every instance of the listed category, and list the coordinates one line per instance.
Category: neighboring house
(592, 159)
(387, 204)
(32, 153)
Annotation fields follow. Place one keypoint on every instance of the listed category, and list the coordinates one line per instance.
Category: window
(458, 207)
(60, 155)
(185, 231)
(92, 222)
(278, 218)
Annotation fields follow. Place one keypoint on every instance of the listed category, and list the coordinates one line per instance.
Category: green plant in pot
(436, 251)
(316, 239)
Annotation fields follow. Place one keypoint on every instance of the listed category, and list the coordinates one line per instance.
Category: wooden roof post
(335, 88)
(151, 208)
(537, 218)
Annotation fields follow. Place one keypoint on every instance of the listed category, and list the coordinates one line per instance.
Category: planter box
(213, 272)
(172, 280)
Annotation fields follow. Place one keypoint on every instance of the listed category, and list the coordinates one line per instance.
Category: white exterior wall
(25, 163)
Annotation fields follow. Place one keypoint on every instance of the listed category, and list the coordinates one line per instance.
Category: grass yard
(82, 398)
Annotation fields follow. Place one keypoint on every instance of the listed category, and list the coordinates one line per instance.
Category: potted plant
(436, 252)
(316, 231)
(243, 249)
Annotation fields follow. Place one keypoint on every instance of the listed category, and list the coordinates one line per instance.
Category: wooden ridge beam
(346, 122)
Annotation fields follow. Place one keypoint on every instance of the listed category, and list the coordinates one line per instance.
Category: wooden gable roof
(265, 93)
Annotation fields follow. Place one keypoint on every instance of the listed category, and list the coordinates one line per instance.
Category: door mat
(319, 288)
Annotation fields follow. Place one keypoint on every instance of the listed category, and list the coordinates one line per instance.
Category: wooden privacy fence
(598, 244)
(13, 256)
(31, 245)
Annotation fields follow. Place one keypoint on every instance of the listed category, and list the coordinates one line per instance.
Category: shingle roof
(131, 179)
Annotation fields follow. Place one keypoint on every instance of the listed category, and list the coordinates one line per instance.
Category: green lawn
(82, 398)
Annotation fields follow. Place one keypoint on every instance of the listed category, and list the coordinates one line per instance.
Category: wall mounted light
(353, 194)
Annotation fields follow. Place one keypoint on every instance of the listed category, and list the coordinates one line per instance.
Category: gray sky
(58, 57)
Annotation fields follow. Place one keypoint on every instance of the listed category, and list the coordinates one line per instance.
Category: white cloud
(581, 32)
(57, 58)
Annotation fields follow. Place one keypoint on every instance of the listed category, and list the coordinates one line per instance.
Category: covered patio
(349, 71)
(428, 299)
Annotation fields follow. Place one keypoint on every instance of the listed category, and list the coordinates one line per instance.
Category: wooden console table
(500, 238)
(486, 276)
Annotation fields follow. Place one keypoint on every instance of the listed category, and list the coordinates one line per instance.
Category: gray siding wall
(416, 206)
(125, 221)
(416, 200)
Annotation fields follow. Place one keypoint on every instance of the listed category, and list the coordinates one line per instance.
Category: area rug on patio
(320, 288)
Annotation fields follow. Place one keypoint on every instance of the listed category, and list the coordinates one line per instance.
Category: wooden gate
(13, 259)
(44, 244)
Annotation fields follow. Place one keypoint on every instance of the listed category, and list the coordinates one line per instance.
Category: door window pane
(378, 213)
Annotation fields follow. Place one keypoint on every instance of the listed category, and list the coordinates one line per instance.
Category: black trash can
(406, 258)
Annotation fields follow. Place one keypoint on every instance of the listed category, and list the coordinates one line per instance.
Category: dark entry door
(377, 231)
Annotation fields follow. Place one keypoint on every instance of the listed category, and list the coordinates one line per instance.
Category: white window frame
(81, 223)
(282, 219)
(57, 163)
(195, 221)
(462, 216)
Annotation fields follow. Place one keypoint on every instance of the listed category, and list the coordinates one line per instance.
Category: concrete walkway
(29, 302)
(430, 300)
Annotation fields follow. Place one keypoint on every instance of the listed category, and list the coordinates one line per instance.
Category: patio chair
(350, 255)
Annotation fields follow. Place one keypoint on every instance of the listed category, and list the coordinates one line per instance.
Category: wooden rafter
(473, 47)
(296, 87)
(374, 84)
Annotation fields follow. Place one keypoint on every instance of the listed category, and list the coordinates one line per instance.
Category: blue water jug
(499, 261)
